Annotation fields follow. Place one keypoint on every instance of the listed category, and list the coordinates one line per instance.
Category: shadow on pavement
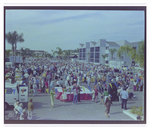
(38, 105)
(115, 113)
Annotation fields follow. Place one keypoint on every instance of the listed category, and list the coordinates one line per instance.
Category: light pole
(94, 43)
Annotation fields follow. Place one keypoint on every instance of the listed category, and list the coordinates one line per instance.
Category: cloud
(48, 29)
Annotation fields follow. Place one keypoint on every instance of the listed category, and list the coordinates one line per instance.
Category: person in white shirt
(34, 88)
(66, 83)
(20, 109)
(119, 90)
(88, 82)
(58, 83)
(23, 115)
(68, 79)
(117, 78)
(85, 78)
(34, 73)
(16, 105)
(124, 96)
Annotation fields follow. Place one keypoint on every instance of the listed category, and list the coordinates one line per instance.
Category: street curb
(133, 116)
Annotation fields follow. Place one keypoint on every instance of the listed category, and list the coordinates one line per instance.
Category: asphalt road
(84, 110)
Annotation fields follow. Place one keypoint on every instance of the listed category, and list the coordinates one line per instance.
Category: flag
(47, 91)
(83, 89)
(14, 91)
(56, 91)
(5, 90)
(110, 85)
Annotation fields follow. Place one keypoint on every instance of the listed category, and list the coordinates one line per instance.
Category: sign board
(23, 93)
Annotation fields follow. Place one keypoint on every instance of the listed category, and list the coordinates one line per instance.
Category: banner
(14, 91)
(5, 90)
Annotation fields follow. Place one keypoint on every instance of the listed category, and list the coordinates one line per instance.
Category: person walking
(105, 94)
(34, 88)
(52, 93)
(88, 82)
(79, 89)
(75, 93)
(119, 90)
(124, 96)
(30, 109)
(51, 85)
(68, 79)
(96, 94)
(37, 82)
(23, 115)
(108, 103)
(95, 79)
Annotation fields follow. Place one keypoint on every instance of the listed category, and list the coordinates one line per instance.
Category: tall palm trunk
(13, 54)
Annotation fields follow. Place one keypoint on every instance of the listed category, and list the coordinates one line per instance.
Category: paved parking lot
(84, 110)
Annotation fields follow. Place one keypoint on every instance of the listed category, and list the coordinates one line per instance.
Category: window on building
(91, 55)
(107, 48)
(80, 58)
(91, 60)
(84, 49)
(92, 49)
(96, 55)
(106, 62)
(96, 49)
(97, 60)
(80, 49)
(83, 54)
(83, 58)
(80, 55)
(107, 55)
(134, 48)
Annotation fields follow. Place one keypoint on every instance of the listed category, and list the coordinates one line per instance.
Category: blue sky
(48, 29)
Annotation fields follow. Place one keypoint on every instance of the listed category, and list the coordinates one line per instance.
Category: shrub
(136, 110)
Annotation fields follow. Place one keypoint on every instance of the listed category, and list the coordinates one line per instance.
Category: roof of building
(113, 44)
(135, 43)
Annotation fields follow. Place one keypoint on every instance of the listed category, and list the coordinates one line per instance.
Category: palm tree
(13, 38)
(59, 52)
(25, 53)
(119, 54)
(67, 53)
(112, 51)
(104, 56)
(7, 52)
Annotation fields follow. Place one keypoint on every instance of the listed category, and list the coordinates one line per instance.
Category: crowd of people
(42, 76)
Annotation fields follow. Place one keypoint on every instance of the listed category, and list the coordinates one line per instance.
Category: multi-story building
(93, 51)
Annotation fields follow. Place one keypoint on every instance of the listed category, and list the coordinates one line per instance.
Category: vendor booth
(66, 95)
